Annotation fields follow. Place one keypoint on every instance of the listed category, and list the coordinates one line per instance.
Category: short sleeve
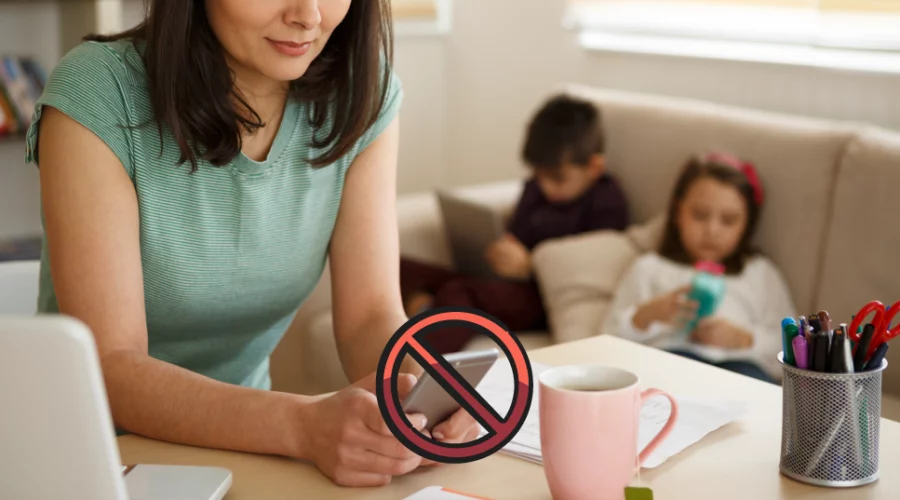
(391, 109)
(89, 85)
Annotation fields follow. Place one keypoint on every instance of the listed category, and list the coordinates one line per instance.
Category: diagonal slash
(469, 401)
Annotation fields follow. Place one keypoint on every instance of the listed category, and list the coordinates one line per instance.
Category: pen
(810, 347)
(789, 330)
(815, 324)
(877, 358)
(801, 352)
(821, 359)
(840, 353)
(825, 321)
(865, 340)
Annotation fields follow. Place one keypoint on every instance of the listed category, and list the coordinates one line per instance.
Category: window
(414, 9)
(421, 17)
(845, 24)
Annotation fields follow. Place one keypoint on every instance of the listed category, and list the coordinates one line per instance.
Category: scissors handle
(885, 332)
(874, 306)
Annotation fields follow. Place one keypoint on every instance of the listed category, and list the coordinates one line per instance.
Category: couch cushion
(861, 261)
(650, 138)
(421, 229)
(578, 277)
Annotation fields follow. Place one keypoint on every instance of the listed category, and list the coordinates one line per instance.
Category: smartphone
(429, 398)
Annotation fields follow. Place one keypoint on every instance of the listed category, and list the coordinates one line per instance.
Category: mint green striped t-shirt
(228, 253)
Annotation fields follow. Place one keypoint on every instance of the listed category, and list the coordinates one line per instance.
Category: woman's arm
(365, 258)
(92, 229)
(365, 271)
(91, 215)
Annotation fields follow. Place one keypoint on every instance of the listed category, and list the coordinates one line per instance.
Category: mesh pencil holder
(830, 426)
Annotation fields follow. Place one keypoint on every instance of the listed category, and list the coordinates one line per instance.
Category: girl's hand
(720, 332)
(673, 308)
(346, 437)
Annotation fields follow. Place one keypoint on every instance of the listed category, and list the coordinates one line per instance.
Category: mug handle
(666, 430)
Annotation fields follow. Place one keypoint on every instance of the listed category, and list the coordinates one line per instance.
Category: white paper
(696, 418)
(438, 493)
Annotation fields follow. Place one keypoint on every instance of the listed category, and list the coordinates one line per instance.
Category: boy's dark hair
(696, 169)
(564, 130)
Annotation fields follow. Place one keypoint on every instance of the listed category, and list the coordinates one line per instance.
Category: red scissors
(882, 323)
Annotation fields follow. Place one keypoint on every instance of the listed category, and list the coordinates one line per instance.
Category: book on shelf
(22, 81)
(22, 248)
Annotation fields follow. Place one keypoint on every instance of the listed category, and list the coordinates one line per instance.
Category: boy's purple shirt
(535, 220)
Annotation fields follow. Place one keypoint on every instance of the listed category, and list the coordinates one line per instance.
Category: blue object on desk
(789, 331)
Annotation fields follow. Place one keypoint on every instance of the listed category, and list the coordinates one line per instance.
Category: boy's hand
(509, 258)
(673, 308)
(720, 332)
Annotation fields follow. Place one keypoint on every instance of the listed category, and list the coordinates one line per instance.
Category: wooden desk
(739, 461)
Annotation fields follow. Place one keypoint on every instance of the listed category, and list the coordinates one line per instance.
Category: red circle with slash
(500, 430)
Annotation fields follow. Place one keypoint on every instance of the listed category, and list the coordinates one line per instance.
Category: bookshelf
(44, 30)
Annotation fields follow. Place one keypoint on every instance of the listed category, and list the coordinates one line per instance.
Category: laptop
(57, 438)
(470, 227)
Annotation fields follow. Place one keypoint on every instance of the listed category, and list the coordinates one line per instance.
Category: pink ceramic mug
(589, 430)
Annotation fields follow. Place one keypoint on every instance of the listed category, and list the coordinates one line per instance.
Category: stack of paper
(696, 419)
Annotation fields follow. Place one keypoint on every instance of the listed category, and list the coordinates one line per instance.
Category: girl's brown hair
(726, 173)
(193, 94)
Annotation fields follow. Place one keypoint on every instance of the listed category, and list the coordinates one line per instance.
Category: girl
(712, 217)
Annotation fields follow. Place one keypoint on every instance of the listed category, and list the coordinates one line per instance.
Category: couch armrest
(421, 229)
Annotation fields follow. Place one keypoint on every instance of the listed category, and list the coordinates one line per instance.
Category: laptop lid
(56, 434)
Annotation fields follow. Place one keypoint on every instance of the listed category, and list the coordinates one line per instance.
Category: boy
(568, 194)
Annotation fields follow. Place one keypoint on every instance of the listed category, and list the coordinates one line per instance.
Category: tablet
(471, 227)
(429, 398)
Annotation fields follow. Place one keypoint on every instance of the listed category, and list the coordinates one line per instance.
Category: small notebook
(696, 418)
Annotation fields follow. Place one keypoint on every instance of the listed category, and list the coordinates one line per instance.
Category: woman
(195, 173)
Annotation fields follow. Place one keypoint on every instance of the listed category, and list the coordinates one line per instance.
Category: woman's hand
(719, 332)
(673, 308)
(346, 437)
(509, 258)
(459, 428)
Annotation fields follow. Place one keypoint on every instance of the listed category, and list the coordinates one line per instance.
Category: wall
(504, 57)
(470, 92)
(839, 95)
(502, 60)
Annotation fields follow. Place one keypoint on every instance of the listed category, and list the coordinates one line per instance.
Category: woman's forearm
(360, 350)
(161, 401)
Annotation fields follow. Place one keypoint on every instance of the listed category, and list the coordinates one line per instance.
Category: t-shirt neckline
(247, 165)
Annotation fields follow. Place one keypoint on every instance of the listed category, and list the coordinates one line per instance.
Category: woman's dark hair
(696, 169)
(192, 88)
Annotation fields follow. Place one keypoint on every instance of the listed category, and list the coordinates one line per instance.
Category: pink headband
(744, 167)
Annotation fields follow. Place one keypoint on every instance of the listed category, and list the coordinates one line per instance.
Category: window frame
(746, 21)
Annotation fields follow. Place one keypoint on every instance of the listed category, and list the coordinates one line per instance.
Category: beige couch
(828, 220)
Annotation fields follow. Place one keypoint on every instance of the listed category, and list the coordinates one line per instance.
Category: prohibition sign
(500, 430)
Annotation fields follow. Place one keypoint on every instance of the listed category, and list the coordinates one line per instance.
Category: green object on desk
(864, 427)
(633, 493)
